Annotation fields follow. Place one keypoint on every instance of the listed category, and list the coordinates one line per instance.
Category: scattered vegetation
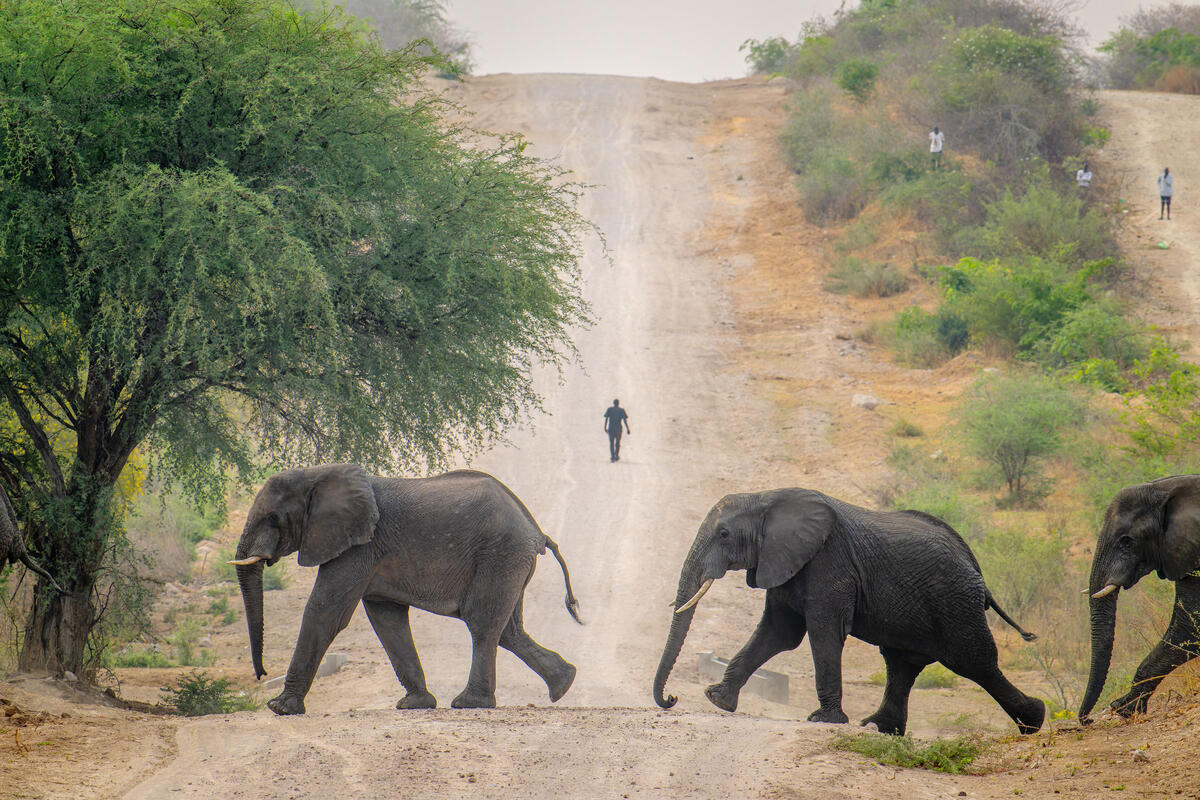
(953, 756)
(197, 694)
(1156, 48)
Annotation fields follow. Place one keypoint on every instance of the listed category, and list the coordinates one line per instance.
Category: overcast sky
(682, 40)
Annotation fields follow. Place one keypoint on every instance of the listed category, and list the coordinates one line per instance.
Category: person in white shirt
(1083, 176)
(936, 140)
(1166, 190)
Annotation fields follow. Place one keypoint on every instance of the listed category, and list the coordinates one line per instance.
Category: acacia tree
(233, 232)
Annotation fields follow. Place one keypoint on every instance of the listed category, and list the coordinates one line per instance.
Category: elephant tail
(991, 603)
(572, 603)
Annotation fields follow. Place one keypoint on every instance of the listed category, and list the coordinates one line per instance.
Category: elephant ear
(1181, 530)
(795, 527)
(341, 513)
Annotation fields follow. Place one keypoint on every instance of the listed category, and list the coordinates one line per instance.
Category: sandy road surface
(1151, 131)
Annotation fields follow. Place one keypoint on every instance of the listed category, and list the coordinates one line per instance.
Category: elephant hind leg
(390, 621)
(903, 667)
(558, 673)
(1028, 712)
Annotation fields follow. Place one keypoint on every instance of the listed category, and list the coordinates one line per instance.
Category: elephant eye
(723, 533)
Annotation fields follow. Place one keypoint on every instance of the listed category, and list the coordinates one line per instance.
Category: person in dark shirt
(613, 418)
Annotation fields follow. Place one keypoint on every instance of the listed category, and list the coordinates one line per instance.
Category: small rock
(1141, 756)
(865, 401)
(842, 335)
(936, 455)
(69, 676)
(204, 641)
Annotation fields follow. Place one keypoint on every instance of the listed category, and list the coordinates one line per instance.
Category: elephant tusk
(1106, 591)
(696, 597)
(245, 562)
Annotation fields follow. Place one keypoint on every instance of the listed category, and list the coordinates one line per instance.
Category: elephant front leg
(1180, 643)
(779, 629)
(390, 621)
(325, 615)
(827, 641)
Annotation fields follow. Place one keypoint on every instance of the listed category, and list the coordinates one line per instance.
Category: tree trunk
(56, 632)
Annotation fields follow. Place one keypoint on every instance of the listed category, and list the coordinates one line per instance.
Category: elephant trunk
(689, 585)
(1103, 625)
(250, 579)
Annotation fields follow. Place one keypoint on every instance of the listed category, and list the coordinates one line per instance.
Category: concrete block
(765, 683)
(331, 664)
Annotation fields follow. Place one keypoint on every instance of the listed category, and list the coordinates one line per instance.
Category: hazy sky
(683, 40)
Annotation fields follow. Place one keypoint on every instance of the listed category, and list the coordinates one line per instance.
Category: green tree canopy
(235, 232)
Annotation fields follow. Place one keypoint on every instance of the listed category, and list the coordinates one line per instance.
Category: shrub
(866, 278)
(184, 641)
(857, 77)
(944, 502)
(935, 676)
(275, 578)
(197, 694)
(1024, 571)
(905, 429)
(921, 339)
(141, 657)
(766, 56)
(942, 755)
(1014, 422)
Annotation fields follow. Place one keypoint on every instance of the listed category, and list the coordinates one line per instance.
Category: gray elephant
(901, 580)
(12, 546)
(1149, 527)
(460, 545)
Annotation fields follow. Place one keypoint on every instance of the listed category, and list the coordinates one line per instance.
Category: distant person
(613, 418)
(936, 140)
(1083, 176)
(1166, 189)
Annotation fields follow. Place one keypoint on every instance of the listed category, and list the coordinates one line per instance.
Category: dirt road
(738, 371)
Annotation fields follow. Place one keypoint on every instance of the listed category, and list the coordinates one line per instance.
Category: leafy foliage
(237, 232)
(399, 23)
(1013, 422)
(857, 77)
(765, 56)
(1156, 48)
(197, 694)
(952, 756)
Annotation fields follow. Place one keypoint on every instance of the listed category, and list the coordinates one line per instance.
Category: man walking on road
(613, 418)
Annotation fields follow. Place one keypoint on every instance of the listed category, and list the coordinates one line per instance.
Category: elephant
(904, 581)
(459, 544)
(1148, 527)
(12, 546)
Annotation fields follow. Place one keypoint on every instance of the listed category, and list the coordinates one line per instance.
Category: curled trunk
(250, 581)
(689, 584)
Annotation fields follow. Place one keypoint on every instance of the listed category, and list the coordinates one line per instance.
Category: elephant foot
(721, 697)
(469, 699)
(562, 683)
(286, 705)
(885, 723)
(417, 699)
(1131, 704)
(833, 715)
(1030, 718)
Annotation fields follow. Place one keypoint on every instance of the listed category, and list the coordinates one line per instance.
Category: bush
(942, 755)
(197, 694)
(866, 278)
(1023, 571)
(904, 429)
(935, 676)
(921, 339)
(944, 502)
(184, 640)
(1014, 422)
(857, 77)
(766, 56)
(141, 657)
(275, 578)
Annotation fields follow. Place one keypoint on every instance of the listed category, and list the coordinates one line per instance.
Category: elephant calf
(902, 580)
(459, 544)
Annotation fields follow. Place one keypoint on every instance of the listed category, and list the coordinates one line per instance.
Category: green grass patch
(952, 756)
(905, 429)
(141, 657)
(935, 676)
(863, 278)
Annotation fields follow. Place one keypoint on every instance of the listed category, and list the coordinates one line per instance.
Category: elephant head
(771, 535)
(1149, 527)
(320, 511)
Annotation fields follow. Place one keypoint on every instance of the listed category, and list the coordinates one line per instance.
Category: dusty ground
(738, 371)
